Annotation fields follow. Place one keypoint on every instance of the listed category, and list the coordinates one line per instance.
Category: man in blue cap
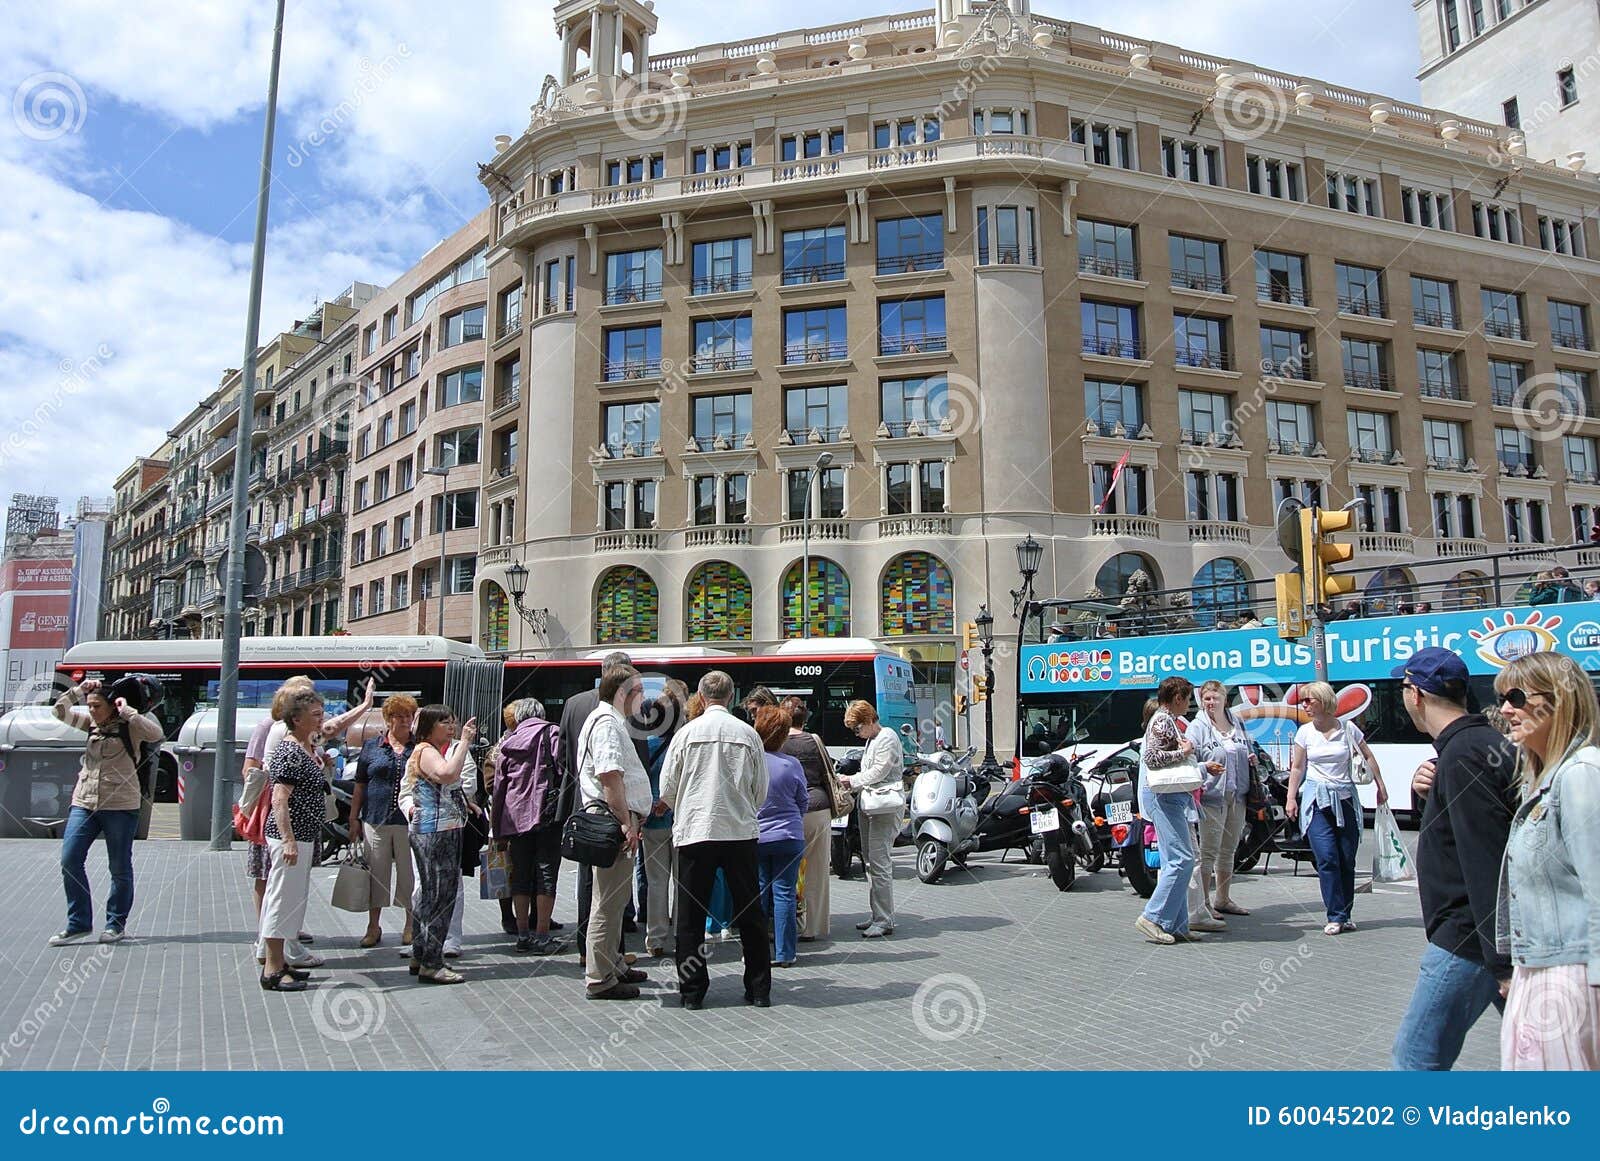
(1468, 795)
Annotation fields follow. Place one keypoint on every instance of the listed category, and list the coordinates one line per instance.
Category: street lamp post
(517, 583)
(823, 461)
(444, 528)
(1029, 553)
(985, 624)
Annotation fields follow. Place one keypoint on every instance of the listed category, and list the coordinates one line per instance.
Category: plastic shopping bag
(1391, 862)
(495, 882)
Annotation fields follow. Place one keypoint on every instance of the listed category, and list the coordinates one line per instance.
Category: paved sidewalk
(992, 969)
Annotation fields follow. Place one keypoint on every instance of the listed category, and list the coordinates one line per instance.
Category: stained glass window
(627, 608)
(828, 595)
(718, 604)
(918, 596)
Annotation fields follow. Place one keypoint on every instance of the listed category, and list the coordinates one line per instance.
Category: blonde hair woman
(1322, 795)
(1549, 912)
(1222, 748)
(882, 764)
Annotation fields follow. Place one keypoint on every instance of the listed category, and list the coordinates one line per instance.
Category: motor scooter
(945, 799)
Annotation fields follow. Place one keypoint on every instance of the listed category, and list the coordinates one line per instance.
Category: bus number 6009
(808, 671)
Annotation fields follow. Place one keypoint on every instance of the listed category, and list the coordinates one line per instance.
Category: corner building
(981, 258)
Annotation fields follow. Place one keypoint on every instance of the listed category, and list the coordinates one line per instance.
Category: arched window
(828, 595)
(496, 619)
(718, 604)
(1112, 579)
(1387, 589)
(627, 608)
(918, 596)
(1221, 592)
(1469, 589)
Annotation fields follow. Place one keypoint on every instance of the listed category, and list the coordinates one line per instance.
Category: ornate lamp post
(1029, 554)
(537, 619)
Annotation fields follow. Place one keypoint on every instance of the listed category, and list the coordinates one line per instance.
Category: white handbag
(1360, 772)
(884, 798)
(1184, 778)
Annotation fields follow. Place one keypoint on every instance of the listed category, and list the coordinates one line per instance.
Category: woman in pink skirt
(1549, 912)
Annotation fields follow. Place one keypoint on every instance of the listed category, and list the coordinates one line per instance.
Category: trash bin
(39, 761)
(196, 749)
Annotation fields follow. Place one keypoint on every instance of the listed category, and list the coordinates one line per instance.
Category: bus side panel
(897, 702)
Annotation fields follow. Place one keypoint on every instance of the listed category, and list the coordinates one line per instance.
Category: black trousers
(698, 864)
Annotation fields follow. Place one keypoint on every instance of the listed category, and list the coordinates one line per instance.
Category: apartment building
(136, 547)
(1522, 63)
(417, 432)
(183, 584)
(299, 504)
(867, 304)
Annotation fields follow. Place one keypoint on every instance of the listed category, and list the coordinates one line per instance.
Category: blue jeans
(1452, 992)
(1168, 908)
(83, 827)
(1334, 849)
(719, 911)
(779, 864)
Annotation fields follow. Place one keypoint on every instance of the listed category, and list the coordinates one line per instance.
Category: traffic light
(1320, 555)
(961, 704)
(969, 636)
(1291, 606)
(980, 687)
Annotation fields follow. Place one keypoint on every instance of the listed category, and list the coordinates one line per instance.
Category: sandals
(372, 939)
(1229, 908)
(283, 981)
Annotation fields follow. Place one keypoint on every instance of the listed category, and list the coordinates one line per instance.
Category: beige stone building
(419, 410)
(136, 547)
(1005, 275)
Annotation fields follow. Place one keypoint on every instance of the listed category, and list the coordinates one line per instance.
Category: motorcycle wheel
(1095, 862)
(1034, 852)
(1063, 867)
(931, 857)
(1140, 877)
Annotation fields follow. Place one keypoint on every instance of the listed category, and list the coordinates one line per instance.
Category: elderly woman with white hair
(525, 814)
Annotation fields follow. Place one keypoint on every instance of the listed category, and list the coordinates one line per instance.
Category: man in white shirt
(715, 780)
(610, 773)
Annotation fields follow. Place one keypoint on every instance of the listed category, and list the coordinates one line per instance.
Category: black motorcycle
(1037, 815)
(845, 843)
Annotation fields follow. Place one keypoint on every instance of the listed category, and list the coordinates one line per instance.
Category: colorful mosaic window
(718, 604)
(497, 620)
(918, 596)
(627, 608)
(828, 594)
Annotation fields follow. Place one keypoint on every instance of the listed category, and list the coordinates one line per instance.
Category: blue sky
(126, 224)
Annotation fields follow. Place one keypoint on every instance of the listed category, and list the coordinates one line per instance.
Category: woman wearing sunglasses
(1549, 912)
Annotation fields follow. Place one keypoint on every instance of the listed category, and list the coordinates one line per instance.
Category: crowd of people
(722, 819)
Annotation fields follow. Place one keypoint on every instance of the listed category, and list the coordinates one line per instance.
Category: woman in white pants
(292, 828)
(882, 767)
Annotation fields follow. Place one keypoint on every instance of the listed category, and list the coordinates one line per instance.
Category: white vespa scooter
(944, 811)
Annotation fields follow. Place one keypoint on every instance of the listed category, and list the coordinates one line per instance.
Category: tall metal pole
(805, 556)
(444, 528)
(233, 594)
(990, 762)
(1319, 627)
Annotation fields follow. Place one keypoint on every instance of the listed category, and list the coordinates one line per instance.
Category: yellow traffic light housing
(1320, 555)
(969, 636)
(980, 688)
(961, 704)
(1291, 606)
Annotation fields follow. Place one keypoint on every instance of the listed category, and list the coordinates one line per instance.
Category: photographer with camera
(106, 799)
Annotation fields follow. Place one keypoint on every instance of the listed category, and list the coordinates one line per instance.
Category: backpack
(532, 753)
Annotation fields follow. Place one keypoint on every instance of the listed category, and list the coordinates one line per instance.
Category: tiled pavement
(993, 969)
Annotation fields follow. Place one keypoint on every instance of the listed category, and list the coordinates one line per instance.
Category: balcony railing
(827, 351)
(1504, 328)
(1447, 464)
(1441, 389)
(1363, 305)
(911, 263)
(722, 361)
(1282, 295)
(503, 472)
(1302, 367)
(1010, 256)
(929, 342)
(719, 441)
(506, 396)
(1444, 319)
(926, 524)
(1124, 268)
(1205, 360)
(1218, 532)
(510, 326)
(823, 434)
(1391, 543)
(813, 272)
(730, 283)
(638, 540)
(1371, 455)
(1113, 347)
(707, 535)
(220, 448)
(1460, 546)
(1199, 280)
(1292, 447)
(621, 370)
(794, 531)
(1571, 340)
(633, 292)
(1517, 463)
(1115, 428)
(1368, 380)
(1142, 527)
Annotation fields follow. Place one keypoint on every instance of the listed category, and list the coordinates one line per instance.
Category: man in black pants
(1469, 794)
(715, 780)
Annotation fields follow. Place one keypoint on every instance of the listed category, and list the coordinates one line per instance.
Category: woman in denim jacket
(1549, 910)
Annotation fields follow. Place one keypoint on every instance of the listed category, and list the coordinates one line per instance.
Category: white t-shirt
(1329, 758)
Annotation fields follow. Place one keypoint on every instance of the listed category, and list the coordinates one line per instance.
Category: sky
(129, 165)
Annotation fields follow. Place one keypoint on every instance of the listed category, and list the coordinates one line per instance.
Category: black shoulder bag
(591, 836)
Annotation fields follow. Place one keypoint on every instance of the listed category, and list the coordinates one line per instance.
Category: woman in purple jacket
(782, 819)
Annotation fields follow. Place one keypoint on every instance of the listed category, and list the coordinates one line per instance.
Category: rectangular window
(821, 409)
(1201, 341)
(355, 610)
(455, 448)
(1433, 303)
(812, 144)
(924, 402)
(983, 235)
(1111, 329)
(455, 511)
(1569, 325)
(644, 504)
(815, 335)
(910, 244)
(1360, 290)
(380, 540)
(461, 571)
(633, 170)
(1445, 442)
(1197, 264)
(1502, 314)
(897, 489)
(1452, 25)
(615, 499)
(1353, 193)
(704, 494)
(1012, 245)
(911, 326)
(1567, 87)
(465, 326)
(1274, 178)
(380, 485)
(1512, 114)
(1505, 382)
(721, 267)
(931, 481)
(1438, 374)
(402, 530)
(717, 158)
(1514, 449)
(1203, 415)
(1131, 495)
(1366, 364)
(723, 344)
(1191, 161)
(632, 353)
(1105, 144)
(634, 427)
(1117, 409)
(461, 386)
(633, 276)
(1371, 439)
(1291, 429)
(1575, 395)
(721, 421)
(814, 255)
(1107, 249)
(408, 419)
(1286, 353)
(1281, 278)
(1582, 464)
(736, 498)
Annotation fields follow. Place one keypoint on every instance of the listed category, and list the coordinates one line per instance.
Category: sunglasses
(1518, 698)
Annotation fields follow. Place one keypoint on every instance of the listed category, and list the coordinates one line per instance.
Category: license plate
(1119, 812)
(842, 823)
(1045, 819)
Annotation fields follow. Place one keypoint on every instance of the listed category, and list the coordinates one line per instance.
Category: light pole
(444, 527)
(538, 619)
(233, 583)
(985, 624)
(823, 461)
(1029, 553)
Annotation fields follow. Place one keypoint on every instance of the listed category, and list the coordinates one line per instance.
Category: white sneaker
(452, 950)
(112, 935)
(1204, 924)
(66, 938)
